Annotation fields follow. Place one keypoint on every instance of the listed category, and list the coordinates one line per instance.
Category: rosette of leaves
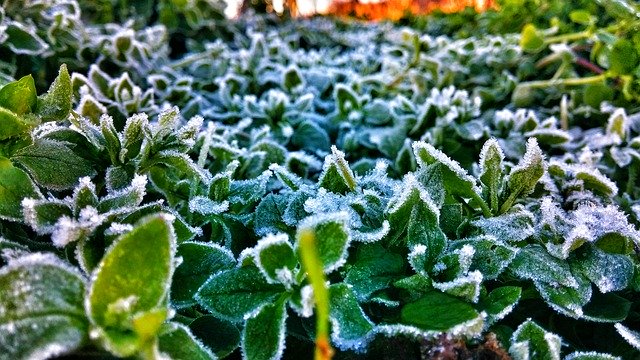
(268, 279)
(619, 146)
(51, 309)
(513, 128)
(30, 161)
(99, 94)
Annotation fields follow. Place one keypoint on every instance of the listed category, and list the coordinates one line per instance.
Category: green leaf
(350, 325)
(374, 269)
(177, 341)
(56, 104)
(232, 294)
(41, 308)
(19, 96)
(199, 262)
(336, 175)
(530, 341)
(221, 336)
(455, 179)
(310, 136)
(524, 177)
(441, 312)
(413, 216)
(15, 185)
(24, 40)
(44, 160)
(491, 256)
(346, 99)
(332, 238)
(582, 17)
(491, 171)
(623, 58)
(606, 308)
(531, 39)
(276, 259)
(609, 272)
(566, 300)
(264, 333)
(500, 302)
(12, 125)
(128, 310)
(534, 262)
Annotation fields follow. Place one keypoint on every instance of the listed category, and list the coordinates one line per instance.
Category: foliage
(275, 185)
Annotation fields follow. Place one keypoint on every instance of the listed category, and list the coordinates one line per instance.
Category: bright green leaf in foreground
(15, 185)
(128, 310)
(439, 311)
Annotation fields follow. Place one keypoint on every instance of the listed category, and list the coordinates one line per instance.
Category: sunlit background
(370, 9)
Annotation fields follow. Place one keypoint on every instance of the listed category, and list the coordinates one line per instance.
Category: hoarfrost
(632, 337)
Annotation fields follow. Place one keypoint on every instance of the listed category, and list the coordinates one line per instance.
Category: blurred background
(365, 9)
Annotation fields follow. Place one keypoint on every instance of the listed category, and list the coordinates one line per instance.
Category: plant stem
(564, 82)
(312, 264)
(483, 205)
(568, 37)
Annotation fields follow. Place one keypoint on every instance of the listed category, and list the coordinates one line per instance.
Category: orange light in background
(396, 9)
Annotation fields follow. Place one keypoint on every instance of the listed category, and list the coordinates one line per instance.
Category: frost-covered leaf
(41, 311)
(125, 198)
(534, 263)
(56, 104)
(42, 215)
(523, 178)
(15, 185)
(374, 269)
(115, 303)
(567, 300)
(530, 341)
(500, 302)
(264, 332)
(182, 163)
(332, 238)
(199, 262)
(590, 355)
(465, 286)
(44, 160)
(491, 256)
(276, 259)
(235, 293)
(269, 214)
(205, 206)
(441, 312)
(336, 175)
(22, 39)
(632, 336)
(177, 341)
(350, 327)
(511, 227)
(246, 192)
(609, 272)
(415, 219)
(491, 171)
(455, 179)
